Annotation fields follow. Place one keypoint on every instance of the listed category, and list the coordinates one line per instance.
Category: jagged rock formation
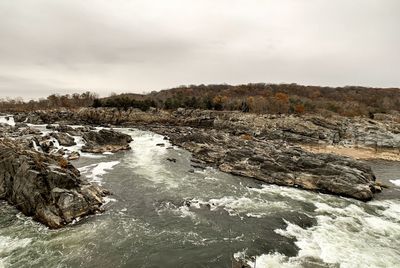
(77, 131)
(383, 132)
(106, 141)
(63, 139)
(264, 147)
(45, 187)
(276, 162)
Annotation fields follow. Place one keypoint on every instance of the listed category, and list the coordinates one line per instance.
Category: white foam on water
(93, 156)
(185, 212)
(87, 168)
(348, 232)
(149, 160)
(35, 146)
(56, 144)
(76, 220)
(349, 236)
(181, 211)
(273, 260)
(79, 144)
(395, 182)
(10, 121)
(78, 147)
(284, 192)
(390, 209)
(209, 178)
(95, 172)
(108, 153)
(253, 207)
(146, 155)
(8, 245)
(108, 199)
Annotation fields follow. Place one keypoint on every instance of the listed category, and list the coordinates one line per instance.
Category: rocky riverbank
(37, 177)
(277, 149)
(275, 162)
(44, 186)
(381, 134)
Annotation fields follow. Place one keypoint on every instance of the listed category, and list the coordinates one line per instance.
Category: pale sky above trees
(67, 46)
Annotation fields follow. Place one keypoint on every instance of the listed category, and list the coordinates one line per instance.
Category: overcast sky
(49, 46)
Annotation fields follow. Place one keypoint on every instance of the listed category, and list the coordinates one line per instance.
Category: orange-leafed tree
(299, 108)
(282, 101)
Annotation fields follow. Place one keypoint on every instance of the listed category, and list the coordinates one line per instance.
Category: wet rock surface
(275, 162)
(106, 141)
(382, 132)
(264, 147)
(44, 186)
(64, 139)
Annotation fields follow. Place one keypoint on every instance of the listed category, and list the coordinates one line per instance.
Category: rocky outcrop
(105, 141)
(263, 147)
(276, 162)
(63, 139)
(73, 131)
(45, 144)
(383, 132)
(45, 187)
(46, 117)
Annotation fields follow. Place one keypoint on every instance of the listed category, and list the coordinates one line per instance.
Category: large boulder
(63, 139)
(105, 141)
(47, 188)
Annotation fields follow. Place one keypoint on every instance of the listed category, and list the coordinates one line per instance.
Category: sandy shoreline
(357, 153)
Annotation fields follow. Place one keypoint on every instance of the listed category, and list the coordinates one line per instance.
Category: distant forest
(254, 98)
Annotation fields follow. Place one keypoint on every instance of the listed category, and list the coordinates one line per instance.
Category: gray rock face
(254, 145)
(105, 141)
(73, 131)
(276, 162)
(44, 187)
(63, 138)
(45, 116)
(381, 132)
(46, 145)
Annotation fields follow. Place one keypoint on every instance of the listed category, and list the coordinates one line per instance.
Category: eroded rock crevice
(46, 187)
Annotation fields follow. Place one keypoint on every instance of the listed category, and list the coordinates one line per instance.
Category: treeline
(124, 102)
(266, 98)
(53, 101)
(255, 98)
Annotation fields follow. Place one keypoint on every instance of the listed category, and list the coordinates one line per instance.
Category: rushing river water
(166, 214)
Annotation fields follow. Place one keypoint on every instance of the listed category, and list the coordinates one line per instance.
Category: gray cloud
(144, 45)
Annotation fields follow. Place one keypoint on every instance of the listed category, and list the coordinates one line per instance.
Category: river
(167, 214)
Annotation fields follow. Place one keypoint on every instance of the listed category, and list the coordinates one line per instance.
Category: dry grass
(62, 162)
(246, 137)
(357, 153)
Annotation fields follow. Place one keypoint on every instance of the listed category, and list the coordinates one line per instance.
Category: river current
(168, 214)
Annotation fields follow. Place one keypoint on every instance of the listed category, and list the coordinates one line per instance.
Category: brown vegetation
(53, 101)
(269, 98)
(256, 98)
(63, 163)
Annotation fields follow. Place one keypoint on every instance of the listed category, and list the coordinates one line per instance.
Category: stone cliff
(46, 187)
